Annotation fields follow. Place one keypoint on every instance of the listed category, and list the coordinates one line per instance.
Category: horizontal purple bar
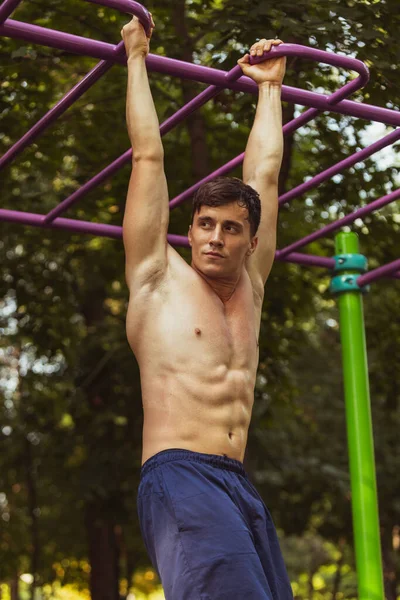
(308, 260)
(380, 272)
(130, 7)
(7, 8)
(35, 220)
(115, 232)
(170, 66)
(327, 58)
(357, 214)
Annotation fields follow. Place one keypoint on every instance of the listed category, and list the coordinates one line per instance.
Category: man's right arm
(146, 217)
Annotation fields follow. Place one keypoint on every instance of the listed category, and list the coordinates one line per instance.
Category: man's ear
(253, 246)
(190, 235)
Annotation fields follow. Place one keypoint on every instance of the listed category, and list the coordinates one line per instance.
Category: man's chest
(188, 324)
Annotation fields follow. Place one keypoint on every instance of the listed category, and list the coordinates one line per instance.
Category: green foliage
(71, 408)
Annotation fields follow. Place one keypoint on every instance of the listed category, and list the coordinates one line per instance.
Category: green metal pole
(359, 434)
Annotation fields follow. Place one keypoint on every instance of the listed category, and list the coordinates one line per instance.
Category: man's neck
(224, 288)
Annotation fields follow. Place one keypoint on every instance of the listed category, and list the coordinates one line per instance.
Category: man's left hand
(269, 71)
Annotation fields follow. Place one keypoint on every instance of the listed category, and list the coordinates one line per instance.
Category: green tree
(71, 412)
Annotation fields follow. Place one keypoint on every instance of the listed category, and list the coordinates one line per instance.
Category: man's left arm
(263, 155)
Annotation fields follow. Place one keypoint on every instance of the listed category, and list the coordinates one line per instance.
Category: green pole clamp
(347, 283)
(350, 262)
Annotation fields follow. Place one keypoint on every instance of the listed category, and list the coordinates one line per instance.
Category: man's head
(225, 217)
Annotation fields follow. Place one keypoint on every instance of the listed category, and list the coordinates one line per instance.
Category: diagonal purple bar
(128, 6)
(59, 108)
(391, 138)
(201, 99)
(181, 114)
(170, 66)
(380, 272)
(294, 124)
(7, 8)
(360, 212)
(187, 71)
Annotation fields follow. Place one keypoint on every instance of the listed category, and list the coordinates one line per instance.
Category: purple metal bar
(131, 8)
(74, 225)
(326, 58)
(301, 189)
(201, 99)
(294, 124)
(391, 138)
(380, 272)
(189, 72)
(357, 214)
(170, 66)
(59, 108)
(127, 6)
(7, 8)
(115, 232)
(308, 260)
(122, 160)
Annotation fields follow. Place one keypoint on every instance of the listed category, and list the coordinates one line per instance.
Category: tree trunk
(103, 553)
(338, 578)
(130, 568)
(287, 115)
(30, 477)
(389, 567)
(102, 543)
(32, 506)
(195, 121)
(14, 588)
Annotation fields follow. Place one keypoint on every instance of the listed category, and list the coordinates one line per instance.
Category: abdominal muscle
(202, 414)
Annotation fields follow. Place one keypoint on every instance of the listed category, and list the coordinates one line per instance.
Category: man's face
(224, 230)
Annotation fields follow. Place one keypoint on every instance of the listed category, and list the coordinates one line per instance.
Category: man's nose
(216, 237)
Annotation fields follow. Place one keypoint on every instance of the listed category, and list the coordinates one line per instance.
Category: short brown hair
(224, 190)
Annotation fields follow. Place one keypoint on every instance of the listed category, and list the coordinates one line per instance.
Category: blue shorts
(207, 531)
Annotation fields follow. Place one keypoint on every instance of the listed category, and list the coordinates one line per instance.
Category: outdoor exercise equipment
(349, 267)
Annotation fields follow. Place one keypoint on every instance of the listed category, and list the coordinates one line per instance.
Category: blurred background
(70, 408)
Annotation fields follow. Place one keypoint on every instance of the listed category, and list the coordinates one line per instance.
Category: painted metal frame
(218, 80)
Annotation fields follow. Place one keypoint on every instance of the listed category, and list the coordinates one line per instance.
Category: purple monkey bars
(218, 80)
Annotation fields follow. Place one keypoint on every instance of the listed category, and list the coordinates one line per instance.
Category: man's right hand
(137, 43)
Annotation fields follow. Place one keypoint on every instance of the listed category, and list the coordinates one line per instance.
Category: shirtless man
(194, 332)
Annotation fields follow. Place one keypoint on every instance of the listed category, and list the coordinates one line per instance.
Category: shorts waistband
(215, 460)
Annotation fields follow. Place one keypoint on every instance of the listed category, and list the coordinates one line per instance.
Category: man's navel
(197, 331)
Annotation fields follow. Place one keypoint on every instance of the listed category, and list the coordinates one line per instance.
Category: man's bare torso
(198, 360)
